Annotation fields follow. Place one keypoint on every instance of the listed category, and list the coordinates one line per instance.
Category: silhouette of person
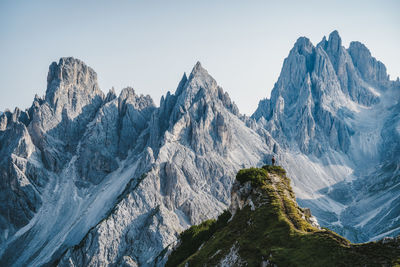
(273, 160)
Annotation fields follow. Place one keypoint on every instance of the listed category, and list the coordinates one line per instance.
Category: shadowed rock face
(19, 195)
(112, 133)
(71, 102)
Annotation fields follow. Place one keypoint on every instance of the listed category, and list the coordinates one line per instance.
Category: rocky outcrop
(271, 230)
(249, 195)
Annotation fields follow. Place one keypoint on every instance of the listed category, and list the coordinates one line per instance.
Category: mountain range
(88, 178)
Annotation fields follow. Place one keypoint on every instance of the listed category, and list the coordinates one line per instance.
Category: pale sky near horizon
(150, 44)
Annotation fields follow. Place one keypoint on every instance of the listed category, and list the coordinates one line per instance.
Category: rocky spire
(71, 84)
(199, 78)
(369, 68)
(200, 84)
(181, 84)
(334, 42)
(307, 79)
(72, 99)
(198, 68)
(110, 95)
(303, 46)
(296, 67)
(335, 51)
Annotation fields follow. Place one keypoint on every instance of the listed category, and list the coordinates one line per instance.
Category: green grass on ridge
(275, 231)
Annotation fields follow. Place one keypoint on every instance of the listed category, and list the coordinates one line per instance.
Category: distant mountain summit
(316, 86)
(88, 178)
(334, 113)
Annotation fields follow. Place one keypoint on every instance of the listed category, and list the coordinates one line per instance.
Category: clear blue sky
(149, 44)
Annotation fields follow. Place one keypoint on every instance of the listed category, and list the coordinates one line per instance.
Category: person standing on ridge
(273, 160)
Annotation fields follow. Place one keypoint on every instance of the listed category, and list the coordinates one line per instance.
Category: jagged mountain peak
(127, 91)
(317, 82)
(198, 68)
(369, 67)
(111, 95)
(334, 40)
(336, 52)
(72, 100)
(181, 85)
(67, 70)
(71, 81)
(200, 78)
(128, 95)
(200, 84)
(330, 61)
(198, 99)
(302, 46)
(356, 45)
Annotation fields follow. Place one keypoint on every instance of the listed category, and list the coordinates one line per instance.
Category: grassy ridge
(194, 237)
(276, 231)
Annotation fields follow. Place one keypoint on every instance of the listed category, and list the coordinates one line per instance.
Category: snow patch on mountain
(67, 214)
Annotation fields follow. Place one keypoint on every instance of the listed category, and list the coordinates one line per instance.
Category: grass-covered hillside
(268, 228)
